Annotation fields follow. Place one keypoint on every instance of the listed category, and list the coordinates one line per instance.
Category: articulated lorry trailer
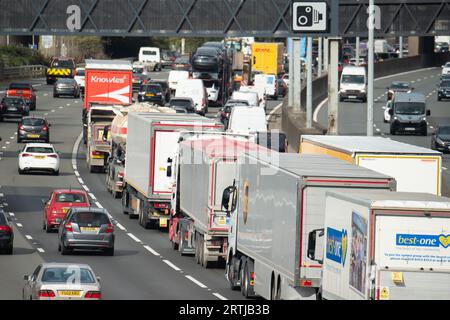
(199, 225)
(415, 169)
(280, 201)
(152, 140)
(382, 245)
(115, 168)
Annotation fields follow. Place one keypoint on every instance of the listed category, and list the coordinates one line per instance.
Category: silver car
(62, 281)
(86, 229)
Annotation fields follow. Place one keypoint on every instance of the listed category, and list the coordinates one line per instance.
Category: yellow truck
(415, 169)
(268, 58)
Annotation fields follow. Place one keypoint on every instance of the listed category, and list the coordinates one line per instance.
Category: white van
(175, 76)
(247, 120)
(267, 85)
(251, 97)
(152, 55)
(353, 84)
(194, 89)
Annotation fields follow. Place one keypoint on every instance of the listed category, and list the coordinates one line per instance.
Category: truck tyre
(116, 194)
(124, 202)
(243, 272)
(143, 220)
(425, 132)
(204, 261)
(231, 275)
(197, 248)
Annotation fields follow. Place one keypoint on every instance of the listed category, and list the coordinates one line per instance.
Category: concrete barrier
(23, 72)
(293, 121)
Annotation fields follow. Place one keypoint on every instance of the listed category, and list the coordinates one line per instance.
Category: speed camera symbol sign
(310, 16)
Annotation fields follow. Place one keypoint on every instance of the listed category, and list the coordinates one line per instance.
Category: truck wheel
(116, 194)
(243, 277)
(231, 275)
(143, 221)
(175, 246)
(197, 248)
(425, 132)
(124, 202)
(203, 256)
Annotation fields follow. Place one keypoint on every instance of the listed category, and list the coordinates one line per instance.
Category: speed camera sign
(310, 17)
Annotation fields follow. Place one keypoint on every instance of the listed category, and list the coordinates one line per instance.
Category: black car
(182, 105)
(225, 112)
(444, 90)
(207, 59)
(6, 234)
(66, 87)
(33, 128)
(165, 86)
(182, 63)
(13, 107)
(440, 139)
(152, 93)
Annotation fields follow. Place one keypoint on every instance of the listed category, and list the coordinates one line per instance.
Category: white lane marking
(273, 111)
(1, 195)
(5, 204)
(45, 94)
(68, 104)
(80, 181)
(444, 168)
(53, 111)
(46, 114)
(121, 227)
(3, 147)
(28, 237)
(201, 285)
(378, 130)
(40, 250)
(61, 107)
(85, 188)
(11, 214)
(19, 225)
(151, 250)
(92, 196)
(413, 81)
(99, 205)
(7, 142)
(219, 296)
(316, 112)
(12, 137)
(77, 173)
(170, 264)
(132, 236)
(431, 127)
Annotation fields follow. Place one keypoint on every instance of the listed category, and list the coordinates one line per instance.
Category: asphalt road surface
(144, 265)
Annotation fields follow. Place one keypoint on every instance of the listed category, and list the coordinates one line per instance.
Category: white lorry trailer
(198, 224)
(280, 202)
(385, 246)
(415, 169)
(152, 139)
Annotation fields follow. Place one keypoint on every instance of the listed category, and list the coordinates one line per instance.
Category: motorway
(144, 265)
(352, 116)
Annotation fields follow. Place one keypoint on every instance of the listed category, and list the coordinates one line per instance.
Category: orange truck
(24, 90)
(267, 57)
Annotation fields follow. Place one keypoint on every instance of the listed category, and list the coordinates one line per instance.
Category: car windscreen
(149, 53)
(180, 103)
(67, 275)
(351, 78)
(70, 197)
(40, 150)
(444, 130)
(211, 52)
(155, 89)
(33, 122)
(12, 101)
(138, 70)
(19, 86)
(399, 85)
(63, 64)
(92, 218)
(411, 108)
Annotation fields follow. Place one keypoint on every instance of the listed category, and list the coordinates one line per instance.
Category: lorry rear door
(412, 255)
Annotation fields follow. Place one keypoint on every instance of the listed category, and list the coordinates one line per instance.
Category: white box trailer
(200, 225)
(281, 200)
(153, 139)
(415, 169)
(386, 246)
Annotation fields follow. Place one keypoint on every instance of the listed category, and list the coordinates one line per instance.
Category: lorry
(152, 139)
(107, 82)
(268, 58)
(382, 245)
(119, 128)
(415, 169)
(60, 67)
(277, 201)
(198, 223)
(98, 144)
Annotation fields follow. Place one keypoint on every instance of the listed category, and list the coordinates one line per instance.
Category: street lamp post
(370, 62)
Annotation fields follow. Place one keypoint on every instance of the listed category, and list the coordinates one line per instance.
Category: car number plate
(150, 95)
(89, 229)
(39, 157)
(33, 136)
(12, 109)
(410, 129)
(163, 222)
(68, 293)
(352, 97)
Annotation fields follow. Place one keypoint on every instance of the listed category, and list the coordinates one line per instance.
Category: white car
(387, 116)
(39, 157)
(62, 281)
(446, 68)
(80, 77)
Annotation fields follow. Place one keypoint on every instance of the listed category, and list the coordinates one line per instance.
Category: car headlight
(395, 118)
(424, 119)
(439, 141)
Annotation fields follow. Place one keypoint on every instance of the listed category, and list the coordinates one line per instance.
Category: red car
(24, 90)
(59, 203)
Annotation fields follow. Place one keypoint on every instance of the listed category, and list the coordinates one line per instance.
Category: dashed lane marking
(170, 264)
(12, 214)
(132, 236)
(19, 225)
(40, 250)
(99, 205)
(28, 237)
(444, 168)
(85, 188)
(149, 249)
(219, 296)
(201, 285)
(121, 227)
(92, 196)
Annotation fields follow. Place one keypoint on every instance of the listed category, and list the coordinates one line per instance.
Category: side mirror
(428, 113)
(49, 125)
(391, 112)
(99, 279)
(44, 201)
(26, 277)
(313, 240)
(229, 198)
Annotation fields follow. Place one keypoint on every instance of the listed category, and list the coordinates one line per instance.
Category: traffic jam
(183, 147)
